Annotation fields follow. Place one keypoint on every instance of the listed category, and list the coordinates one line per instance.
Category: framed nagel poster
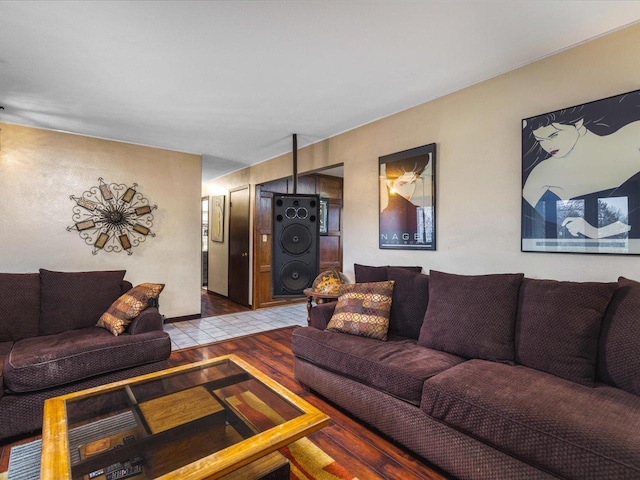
(408, 199)
(581, 178)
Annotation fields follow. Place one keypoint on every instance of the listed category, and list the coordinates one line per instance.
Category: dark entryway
(205, 241)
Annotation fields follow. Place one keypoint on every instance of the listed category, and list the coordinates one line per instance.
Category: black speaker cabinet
(295, 253)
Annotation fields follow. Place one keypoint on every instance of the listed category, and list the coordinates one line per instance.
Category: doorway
(239, 232)
(328, 184)
(205, 241)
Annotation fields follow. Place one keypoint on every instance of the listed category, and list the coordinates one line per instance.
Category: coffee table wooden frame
(55, 455)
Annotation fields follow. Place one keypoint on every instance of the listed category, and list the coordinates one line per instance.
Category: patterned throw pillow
(120, 314)
(363, 309)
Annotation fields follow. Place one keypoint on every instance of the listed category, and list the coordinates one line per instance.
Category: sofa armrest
(5, 348)
(148, 321)
(321, 314)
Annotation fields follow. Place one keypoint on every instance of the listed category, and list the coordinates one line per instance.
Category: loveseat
(490, 376)
(50, 344)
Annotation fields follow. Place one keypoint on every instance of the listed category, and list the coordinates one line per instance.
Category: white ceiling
(232, 80)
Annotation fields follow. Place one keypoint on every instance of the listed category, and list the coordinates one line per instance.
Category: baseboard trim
(211, 292)
(183, 318)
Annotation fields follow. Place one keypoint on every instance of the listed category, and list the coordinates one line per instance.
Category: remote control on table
(127, 470)
(120, 471)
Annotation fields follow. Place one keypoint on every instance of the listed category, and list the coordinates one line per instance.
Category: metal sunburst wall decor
(113, 217)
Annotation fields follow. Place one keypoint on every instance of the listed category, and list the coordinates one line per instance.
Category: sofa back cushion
(472, 316)
(125, 286)
(558, 327)
(410, 299)
(369, 274)
(19, 306)
(70, 300)
(619, 349)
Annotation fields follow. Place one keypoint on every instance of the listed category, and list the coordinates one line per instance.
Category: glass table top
(195, 421)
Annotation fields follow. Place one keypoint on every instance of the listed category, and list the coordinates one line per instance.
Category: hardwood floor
(213, 305)
(365, 453)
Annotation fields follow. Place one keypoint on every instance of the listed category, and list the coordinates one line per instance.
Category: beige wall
(477, 131)
(40, 169)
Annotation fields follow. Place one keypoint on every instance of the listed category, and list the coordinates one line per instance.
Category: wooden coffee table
(203, 420)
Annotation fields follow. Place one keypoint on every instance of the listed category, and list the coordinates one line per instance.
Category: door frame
(256, 264)
(204, 259)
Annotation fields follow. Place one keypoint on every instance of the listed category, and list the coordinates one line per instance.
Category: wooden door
(239, 246)
(262, 244)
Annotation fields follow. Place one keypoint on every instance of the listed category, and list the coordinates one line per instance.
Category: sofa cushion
(540, 418)
(410, 299)
(368, 274)
(51, 360)
(128, 306)
(19, 305)
(619, 346)
(398, 366)
(558, 326)
(472, 316)
(71, 300)
(5, 348)
(363, 309)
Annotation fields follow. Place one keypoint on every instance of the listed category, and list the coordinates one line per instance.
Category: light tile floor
(201, 331)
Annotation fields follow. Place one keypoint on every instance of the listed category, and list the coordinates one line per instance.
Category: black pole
(295, 163)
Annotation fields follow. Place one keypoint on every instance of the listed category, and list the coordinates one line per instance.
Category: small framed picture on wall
(324, 216)
(408, 199)
(217, 218)
(581, 178)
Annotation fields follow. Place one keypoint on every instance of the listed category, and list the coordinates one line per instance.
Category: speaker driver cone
(302, 213)
(290, 213)
(295, 276)
(296, 239)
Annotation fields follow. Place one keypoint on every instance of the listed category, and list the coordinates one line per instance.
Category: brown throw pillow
(370, 274)
(120, 314)
(472, 316)
(363, 309)
(410, 300)
(619, 350)
(558, 327)
(19, 306)
(70, 300)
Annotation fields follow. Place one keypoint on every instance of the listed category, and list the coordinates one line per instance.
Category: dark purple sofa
(49, 344)
(494, 376)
